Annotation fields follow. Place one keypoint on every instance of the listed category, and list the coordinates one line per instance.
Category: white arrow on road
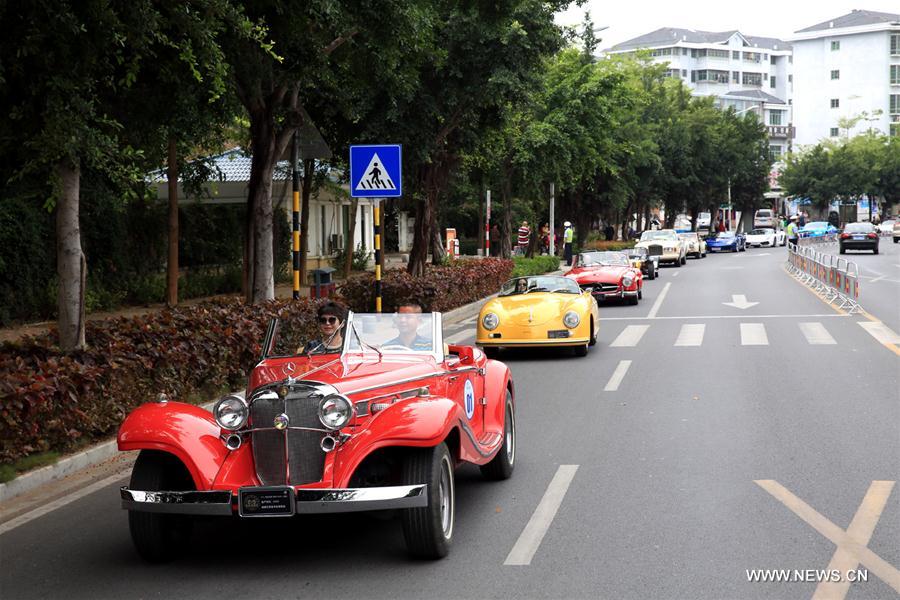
(740, 301)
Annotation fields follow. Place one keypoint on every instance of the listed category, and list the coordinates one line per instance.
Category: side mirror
(466, 355)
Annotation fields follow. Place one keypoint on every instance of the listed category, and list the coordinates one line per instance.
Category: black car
(859, 236)
(640, 259)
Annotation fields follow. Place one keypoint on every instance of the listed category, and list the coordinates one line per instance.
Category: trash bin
(322, 286)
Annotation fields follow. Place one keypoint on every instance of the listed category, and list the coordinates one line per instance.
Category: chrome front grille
(289, 456)
(602, 288)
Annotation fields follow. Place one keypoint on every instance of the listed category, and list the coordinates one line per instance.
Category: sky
(629, 19)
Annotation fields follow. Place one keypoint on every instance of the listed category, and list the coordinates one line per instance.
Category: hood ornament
(281, 422)
(288, 368)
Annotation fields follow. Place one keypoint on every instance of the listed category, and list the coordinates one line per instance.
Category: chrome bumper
(306, 501)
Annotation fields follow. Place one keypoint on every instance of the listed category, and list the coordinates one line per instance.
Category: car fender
(417, 423)
(184, 430)
(496, 380)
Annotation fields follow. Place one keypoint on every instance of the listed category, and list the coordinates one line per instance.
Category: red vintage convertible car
(608, 275)
(374, 426)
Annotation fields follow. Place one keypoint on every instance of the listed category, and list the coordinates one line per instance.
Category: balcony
(780, 131)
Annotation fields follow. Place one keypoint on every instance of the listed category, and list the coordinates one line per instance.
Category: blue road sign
(375, 171)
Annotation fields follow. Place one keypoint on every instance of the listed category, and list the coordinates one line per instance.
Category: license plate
(558, 333)
(859, 237)
(266, 502)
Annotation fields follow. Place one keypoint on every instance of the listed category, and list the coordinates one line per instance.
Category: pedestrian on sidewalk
(522, 239)
(568, 236)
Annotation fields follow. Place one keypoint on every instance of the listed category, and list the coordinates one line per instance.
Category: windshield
(761, 232)
(588, 259)
(859, 228)
(297, 335)
(529, 285)
(725, 234)
(764, 213)
(817, 225)
(687, 236)
(637, 252)
(663, 234)
(392, 332)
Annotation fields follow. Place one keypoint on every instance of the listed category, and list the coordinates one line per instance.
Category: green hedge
(534, 266)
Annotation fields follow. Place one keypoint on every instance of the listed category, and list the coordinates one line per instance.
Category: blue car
(817, 229)
(733, 241)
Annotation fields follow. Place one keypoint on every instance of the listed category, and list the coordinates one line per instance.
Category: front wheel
(678, 263)
(429, 530)
(875, 251)
(593, 334)
(502, 465)
(159, 537)
(491, 351)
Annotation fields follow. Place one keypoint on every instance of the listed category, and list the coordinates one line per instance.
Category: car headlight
(627, 280)
(669, 248)
(571, 320)
(231, 412)
(335, 411)
(490, 321)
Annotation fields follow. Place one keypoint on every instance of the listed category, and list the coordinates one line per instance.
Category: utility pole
(552, 218)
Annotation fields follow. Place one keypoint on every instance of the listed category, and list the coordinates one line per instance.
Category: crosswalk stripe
(617, 376)
(816, 334)
(691, 335)
(754, 334)
(630, 336)
(880, 332)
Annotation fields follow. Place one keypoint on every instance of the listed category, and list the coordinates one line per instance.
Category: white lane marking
(59, 503)
(740, 301)
(630, 336)
(880, 332)
(618, 375)
(659, 301)
(754, 334)
(879, 278)
(817, 316)
(816, 334)
(459, 336)
(530, 538)
(675, 274)
(691, 335)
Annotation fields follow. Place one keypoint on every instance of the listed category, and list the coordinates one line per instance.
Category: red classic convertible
(379, 424)
(608, 275)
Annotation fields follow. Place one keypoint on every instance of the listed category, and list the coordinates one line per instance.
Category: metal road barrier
(829, 239)
(833, 278)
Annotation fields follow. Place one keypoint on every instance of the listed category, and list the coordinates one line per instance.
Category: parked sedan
(766, 237)
(859, 236)
(817, 229)
(887, 226)
(733, 241)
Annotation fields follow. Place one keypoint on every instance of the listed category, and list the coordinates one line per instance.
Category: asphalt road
(734, 439)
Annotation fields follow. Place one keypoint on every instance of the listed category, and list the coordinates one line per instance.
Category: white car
(764, 217)
(886, 227)
(766, 236)
(703, 220)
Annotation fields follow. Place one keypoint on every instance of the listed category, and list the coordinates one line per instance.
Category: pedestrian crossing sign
(375, 171)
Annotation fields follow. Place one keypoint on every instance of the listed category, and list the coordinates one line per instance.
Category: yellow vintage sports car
(544, 310)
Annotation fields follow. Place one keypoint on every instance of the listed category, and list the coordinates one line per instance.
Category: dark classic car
(641, 259)
(608, 275)
(380, 423)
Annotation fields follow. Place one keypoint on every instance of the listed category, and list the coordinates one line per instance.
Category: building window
(693, 53)
(717, 53)
(752, 56)
(895, 74)
(775, 117)
(895, 44)
(835, 74)
(772, 59)
(790, 79)
(684, 51)
(835, 103)
(693, 76)
(661, 52)
(752, 79)
(834, 132)
(735, 76)
(835, 45)
(772, 81)
(895, 104)
(684, 72)
(735, 54)
(774, 153)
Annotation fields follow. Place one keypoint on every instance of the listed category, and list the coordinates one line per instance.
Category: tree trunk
(172, 262)
(351, 234)
(260, 263)
(70, 263)
(421, 237)
(308, 174)
(506, 222)
(437, 244)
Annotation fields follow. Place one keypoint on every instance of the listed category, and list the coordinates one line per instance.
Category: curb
(105, 450)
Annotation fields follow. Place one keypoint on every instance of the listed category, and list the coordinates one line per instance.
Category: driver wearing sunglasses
(330, 318)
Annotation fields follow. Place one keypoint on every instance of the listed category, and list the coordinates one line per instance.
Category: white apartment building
(846, 68)
(745, 72)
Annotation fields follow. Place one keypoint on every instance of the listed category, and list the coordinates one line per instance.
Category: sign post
(295, 221)
(487, 227)
(552, 218)
(376, 172)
